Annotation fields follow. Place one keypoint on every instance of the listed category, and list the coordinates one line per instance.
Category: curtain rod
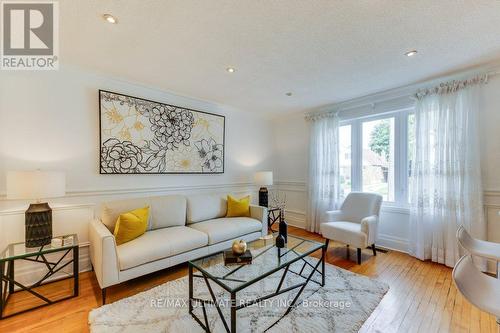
(338, 107)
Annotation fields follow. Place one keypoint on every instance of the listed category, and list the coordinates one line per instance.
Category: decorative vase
(280, 241)
(239, 247)
(283, 229)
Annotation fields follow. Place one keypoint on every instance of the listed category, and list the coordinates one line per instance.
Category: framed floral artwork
(139, 136)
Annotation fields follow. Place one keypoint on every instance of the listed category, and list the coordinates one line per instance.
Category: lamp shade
(35, 184)
(264, 178)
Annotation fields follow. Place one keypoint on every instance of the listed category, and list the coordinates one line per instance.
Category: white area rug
(343, 305)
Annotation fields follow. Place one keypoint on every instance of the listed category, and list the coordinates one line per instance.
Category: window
(375, 155)
(378, 157)
(345, 159)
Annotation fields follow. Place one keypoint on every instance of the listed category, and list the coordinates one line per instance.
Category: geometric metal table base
(231, 327)
(7, 280)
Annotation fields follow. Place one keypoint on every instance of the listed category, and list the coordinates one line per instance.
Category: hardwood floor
(422, 296)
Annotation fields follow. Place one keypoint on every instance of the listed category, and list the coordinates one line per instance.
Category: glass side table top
(19, 250)
(267, 258)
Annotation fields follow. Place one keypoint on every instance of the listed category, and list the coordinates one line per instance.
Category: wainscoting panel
(70, 215)
(394, 221)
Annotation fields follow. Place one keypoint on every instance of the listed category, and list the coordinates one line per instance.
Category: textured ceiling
(322, 51)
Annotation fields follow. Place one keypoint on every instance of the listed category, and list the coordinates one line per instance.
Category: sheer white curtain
(446, 189)
(323, 182)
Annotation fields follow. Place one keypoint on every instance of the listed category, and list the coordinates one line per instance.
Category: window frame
(401, 166)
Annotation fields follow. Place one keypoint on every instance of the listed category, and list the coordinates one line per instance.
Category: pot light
(288, 94)
(411, 53)
(230, 70)
(110, 18)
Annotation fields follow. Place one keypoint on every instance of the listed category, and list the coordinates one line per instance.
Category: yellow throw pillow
(131, 225)
(238, 207)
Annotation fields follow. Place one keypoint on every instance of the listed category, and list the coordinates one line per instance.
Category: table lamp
(263, 178)
(36, 185)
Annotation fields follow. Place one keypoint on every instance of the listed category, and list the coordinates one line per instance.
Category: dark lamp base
(263, 195)
(38, 225)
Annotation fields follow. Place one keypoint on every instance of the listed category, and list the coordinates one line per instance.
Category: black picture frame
(101, 91)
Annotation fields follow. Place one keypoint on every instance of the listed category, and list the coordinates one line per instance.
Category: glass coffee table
(235, 278)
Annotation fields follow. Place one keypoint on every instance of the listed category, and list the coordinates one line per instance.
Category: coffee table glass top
(19, 250)
(267, 259)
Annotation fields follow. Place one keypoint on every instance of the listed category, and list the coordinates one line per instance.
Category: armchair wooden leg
(103, 294)
(359, 256)
(374, 251)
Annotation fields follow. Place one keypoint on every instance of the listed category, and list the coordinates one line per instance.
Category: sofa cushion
(158, 244)
(168, 211)
(110, 211)
(221, 229)
(205, 207)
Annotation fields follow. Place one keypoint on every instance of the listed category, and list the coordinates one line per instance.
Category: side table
(274, 215)
(18, 251)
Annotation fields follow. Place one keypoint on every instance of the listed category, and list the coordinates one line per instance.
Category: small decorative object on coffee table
(280, 241)
(241, 259)
(239, 247)
(19, 251)
(283, 230)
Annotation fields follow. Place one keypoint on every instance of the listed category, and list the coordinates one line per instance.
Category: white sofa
(180, 228)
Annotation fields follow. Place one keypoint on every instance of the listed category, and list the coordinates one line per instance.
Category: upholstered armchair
(356, 222)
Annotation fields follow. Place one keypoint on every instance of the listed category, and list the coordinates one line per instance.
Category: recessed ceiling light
(110, 18)
(411, 53)
(288, 94)
(230, 69)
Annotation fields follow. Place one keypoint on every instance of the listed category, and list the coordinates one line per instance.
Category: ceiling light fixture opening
(110, 18)
(230, 70)
(288, 94)
(411, 53)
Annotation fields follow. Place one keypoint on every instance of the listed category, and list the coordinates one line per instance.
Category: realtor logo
(30, 38)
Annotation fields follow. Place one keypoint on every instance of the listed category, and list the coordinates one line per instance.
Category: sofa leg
(103, 293)
(374, 251)
(359, 256)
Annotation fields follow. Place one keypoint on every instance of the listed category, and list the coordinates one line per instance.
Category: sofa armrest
(260, 213)
(369, 227)
(332, 216)
(103, 254)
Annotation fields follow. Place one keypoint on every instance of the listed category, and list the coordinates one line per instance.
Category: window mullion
(356, 158)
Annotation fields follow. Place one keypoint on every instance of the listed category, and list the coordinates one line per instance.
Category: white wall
(50, 120)
(291, 137)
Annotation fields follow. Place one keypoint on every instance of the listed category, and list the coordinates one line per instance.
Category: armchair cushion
(346, 232)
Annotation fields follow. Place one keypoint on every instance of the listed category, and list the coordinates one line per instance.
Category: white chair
(477, 247)
(356, 222)
(479, 289)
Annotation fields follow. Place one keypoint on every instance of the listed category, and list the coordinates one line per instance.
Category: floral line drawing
(153, 140)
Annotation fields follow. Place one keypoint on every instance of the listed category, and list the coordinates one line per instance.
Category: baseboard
(393, 243)
(295, 218)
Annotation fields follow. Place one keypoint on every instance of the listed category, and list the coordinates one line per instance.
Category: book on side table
(232, 259)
